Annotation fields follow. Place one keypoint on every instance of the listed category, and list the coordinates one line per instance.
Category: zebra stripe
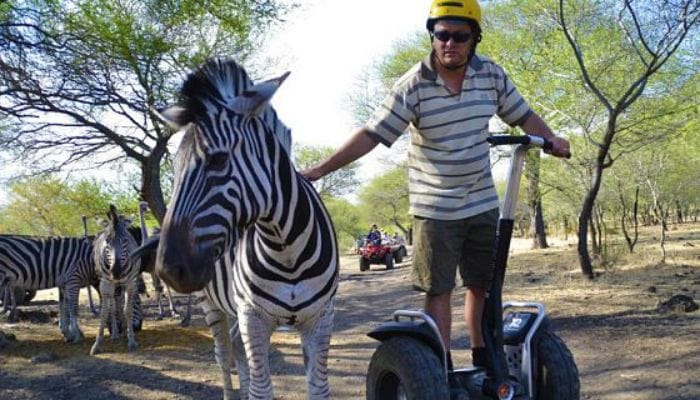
(247, 229)
(115, 269)
(37, 263)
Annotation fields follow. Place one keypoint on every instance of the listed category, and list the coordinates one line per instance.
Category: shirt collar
(428, 69)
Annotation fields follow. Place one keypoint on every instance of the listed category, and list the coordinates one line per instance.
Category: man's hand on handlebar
(560, 147)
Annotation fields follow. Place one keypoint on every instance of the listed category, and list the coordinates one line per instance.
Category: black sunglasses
(458, 37)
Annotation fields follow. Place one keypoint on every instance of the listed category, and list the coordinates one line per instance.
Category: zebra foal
(116, 270)
(246, 229)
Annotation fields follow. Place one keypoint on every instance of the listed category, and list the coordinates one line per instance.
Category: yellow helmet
(454, 9)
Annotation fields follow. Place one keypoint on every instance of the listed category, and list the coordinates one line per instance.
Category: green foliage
(80, 77)
(46, 205)
(335, 184)
(403, 55)
(346, 221)
(384, 200)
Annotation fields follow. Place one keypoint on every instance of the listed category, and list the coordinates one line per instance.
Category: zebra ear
(174, 117)
(254, 100)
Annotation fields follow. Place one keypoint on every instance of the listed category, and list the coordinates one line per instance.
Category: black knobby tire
(556, 375)
(405, 368)
(398, 255)
(389, 261)
(364, 264)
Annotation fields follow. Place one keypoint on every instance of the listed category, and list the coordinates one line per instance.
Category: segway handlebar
(527, 140)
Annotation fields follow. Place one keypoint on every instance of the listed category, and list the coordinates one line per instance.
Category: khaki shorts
(442, 246)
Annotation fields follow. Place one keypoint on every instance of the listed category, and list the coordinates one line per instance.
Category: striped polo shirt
(448, 158)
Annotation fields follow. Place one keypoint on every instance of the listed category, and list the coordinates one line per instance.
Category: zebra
(115, 269)
(36, 263)
(247, 229)
(137, 319)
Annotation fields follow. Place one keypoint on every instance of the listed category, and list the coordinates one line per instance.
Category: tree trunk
(534, 200)
(540, 236)
(585, 217)
(151, 191)
(631, 240)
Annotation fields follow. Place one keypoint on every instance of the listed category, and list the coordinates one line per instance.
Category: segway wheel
(556, 374)
(403, 368)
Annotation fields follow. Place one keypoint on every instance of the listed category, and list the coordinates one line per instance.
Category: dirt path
(624, 346)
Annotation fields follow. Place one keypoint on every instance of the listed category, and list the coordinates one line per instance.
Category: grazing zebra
(38, 263)
(246, 228)
(115, 269)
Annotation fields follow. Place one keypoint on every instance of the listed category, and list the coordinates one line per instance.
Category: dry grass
(624, 346)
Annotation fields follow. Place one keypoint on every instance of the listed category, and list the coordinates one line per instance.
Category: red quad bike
(381, 254)
(529, 361)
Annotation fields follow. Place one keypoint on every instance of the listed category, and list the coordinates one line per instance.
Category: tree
(78, 78)
(346, 221)
(48, 206)
(607, 37)
(384, 200)
(335, 184)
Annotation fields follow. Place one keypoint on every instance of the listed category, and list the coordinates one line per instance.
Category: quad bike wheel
(555, 373)
(389, 260)
(364, 264)
(403, 368)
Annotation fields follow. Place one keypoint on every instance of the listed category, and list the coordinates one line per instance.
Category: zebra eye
(217, 161)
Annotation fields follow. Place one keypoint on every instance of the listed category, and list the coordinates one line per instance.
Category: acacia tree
(606, 37)
(78, 78)
(337, 183)
(47, 205)
(385, 199)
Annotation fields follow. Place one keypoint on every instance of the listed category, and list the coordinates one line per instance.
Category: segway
(528, 361)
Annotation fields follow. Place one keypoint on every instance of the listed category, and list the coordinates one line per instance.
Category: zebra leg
(316, 341)
(158, 286)
(171, 303)
(5, 297)
(240, 357)
(70, 298)
(106, 310)
(218, 324)
(10, 287)
(131, 291)
(188, 313)
(93, 309)
(255, 334)
(117, 314)
(63, 313)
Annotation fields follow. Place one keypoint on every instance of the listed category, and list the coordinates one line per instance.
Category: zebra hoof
(96, 349)
(132, 346)
(185, 322)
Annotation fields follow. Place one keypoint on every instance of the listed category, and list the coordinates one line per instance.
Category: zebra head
(112, 246)
(224, 169)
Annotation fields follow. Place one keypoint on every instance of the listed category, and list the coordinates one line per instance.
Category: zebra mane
(117, 223)
(216, 84)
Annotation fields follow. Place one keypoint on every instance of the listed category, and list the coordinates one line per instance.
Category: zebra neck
(293, 223)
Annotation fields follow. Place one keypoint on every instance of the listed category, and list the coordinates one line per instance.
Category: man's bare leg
(439, 307)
